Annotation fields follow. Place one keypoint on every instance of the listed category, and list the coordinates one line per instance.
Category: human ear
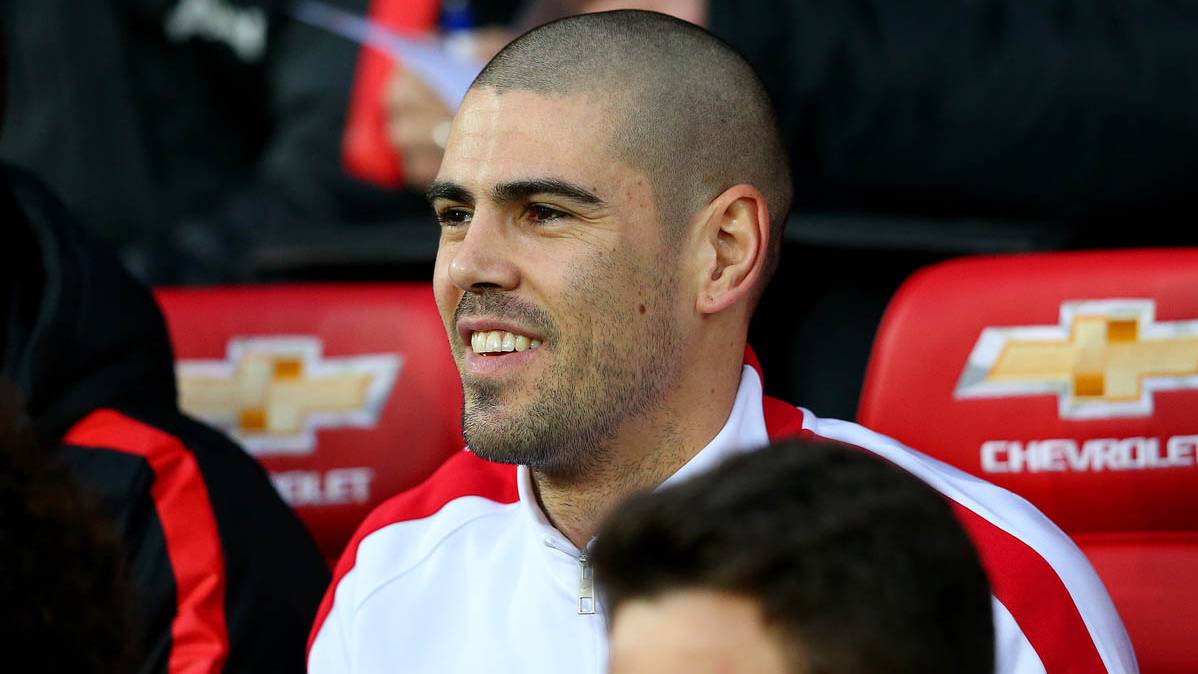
(735, 235)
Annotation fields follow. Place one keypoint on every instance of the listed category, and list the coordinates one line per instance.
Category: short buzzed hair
(697, 119)
(859, 566)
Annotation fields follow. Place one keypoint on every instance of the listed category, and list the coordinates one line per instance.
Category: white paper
(448, 75)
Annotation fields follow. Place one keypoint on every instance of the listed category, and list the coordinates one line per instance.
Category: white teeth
(500, 341)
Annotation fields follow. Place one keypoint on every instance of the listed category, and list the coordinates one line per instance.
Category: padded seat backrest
(1072, 380)
(346, 394)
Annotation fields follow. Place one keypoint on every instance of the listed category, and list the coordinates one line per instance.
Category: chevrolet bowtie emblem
(1105, 359)
(273, 393)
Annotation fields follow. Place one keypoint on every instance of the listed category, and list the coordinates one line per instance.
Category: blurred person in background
(187, 132)
(179, 130)
(801, 558)
(611, 203)
(226, 578)
(68, 606)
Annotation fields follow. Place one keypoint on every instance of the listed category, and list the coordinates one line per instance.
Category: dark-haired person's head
(611, 201)
(67, 604)
(801, 558)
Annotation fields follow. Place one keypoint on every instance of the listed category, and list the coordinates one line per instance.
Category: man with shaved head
(611, 203)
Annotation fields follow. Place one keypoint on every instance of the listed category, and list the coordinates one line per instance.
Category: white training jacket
(465, 574)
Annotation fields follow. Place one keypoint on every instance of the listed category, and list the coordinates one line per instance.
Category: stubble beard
(569, 417)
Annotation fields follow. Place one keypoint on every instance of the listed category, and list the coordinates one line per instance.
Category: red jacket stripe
(199, 636)
(1031, 590)
(782, 420)
(463, 474)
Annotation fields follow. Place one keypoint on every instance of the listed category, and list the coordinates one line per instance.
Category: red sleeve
(199, 636)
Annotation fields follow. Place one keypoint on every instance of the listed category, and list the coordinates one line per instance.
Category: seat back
(347, 394)
(1072, 380)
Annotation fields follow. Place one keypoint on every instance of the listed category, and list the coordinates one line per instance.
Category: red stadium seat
(347, 394)
(1071, 379)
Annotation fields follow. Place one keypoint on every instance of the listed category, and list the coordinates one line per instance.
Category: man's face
(694, 632)
(558, 292)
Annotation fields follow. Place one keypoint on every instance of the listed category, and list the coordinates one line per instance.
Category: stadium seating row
(1069, 378)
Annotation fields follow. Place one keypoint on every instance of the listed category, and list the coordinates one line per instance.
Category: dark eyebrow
(450, 191)
(520, 190)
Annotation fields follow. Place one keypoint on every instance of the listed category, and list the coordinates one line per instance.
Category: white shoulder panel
(383, 557)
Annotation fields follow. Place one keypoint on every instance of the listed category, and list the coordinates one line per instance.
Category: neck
(646, 452)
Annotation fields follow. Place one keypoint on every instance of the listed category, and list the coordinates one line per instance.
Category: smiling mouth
(487, 342)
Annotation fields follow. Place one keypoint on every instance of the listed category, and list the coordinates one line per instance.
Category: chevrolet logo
(1105, 359)
(273, 393)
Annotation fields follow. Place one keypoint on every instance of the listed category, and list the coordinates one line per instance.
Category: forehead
(694, 632)
(522, 134)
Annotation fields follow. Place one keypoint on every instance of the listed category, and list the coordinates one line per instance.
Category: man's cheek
(443, 295)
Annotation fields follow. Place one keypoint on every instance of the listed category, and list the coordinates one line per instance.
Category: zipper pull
(586, 586)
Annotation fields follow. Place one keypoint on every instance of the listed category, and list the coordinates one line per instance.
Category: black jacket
(224, 570)
(183, 131)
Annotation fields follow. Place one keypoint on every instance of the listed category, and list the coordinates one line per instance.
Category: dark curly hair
(863, 567)
(67, 601)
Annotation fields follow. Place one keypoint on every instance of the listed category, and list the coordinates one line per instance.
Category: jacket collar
(744, 430)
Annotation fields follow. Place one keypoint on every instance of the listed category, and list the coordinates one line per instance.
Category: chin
(487, 429)
(500, 437)
(492, 446)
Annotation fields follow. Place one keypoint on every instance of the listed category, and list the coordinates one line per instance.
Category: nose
(482, 259)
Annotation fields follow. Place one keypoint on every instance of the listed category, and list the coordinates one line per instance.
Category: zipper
(586, 585)
(586, 575)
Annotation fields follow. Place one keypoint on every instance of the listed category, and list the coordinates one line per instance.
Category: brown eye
(453, 217)
(542, 214)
